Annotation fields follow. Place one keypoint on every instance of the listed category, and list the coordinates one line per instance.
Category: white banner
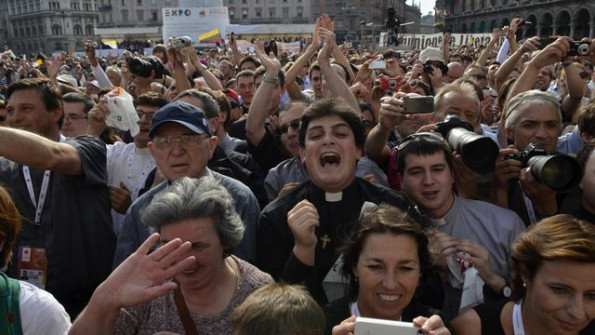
(421, 41)
(293, 47)
(245, 46)
(193, 21)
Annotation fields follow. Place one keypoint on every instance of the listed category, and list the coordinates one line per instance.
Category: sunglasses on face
(478, 76)
(295, 125)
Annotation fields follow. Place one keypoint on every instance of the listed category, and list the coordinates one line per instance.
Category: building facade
(269, 11)
(41, 25)
(574, 18)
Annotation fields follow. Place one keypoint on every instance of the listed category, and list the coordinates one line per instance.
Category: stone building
(575, 18)
(42, 25)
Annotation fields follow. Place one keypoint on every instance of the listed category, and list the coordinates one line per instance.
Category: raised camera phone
(579, 48)
(369, 326)
(418, 105)
(377, 64)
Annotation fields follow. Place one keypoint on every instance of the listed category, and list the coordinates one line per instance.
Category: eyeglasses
(429, 136)
(73, 117)
(189, 142)
(295, 125)
(148, 115)
(584, 75)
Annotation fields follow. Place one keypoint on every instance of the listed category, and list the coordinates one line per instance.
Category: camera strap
(529, 206)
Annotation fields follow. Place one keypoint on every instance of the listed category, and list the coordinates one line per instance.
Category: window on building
(154, 16)
(244, 13)
(244, 2)
(77, 29)
(140, 15)
(74, 5)
(89, 30)
(56, 30)
(232, 13)
(300, 12)
(258, 13)
(124, 15)
(123, 2)
(285, 12)
(139, 2)
(272, 13)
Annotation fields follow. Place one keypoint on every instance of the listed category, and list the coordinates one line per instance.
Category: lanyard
(42, 192)
(517, 319)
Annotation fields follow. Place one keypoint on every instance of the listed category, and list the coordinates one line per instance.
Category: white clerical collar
(333, 197)
(438, 222)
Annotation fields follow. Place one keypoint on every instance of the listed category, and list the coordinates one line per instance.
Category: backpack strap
(10, 313)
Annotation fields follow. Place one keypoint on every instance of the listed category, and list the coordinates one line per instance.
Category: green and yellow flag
(212, 36)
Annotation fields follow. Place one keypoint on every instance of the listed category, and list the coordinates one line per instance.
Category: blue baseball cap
(183, 113)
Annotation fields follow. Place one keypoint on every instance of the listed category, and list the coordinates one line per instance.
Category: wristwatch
(506, 290)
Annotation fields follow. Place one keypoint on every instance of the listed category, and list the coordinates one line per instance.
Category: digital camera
(578, 48)
(388, 84)
(561, 173)
(180, 42)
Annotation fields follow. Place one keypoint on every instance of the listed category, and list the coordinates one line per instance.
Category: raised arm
(30, 149)
(553, 53)
(337, 86)
(209, 77)
(141, 277)
(485, 54)
(259, 107)
(510, 63)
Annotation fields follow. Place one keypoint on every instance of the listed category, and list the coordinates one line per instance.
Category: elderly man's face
(538, 124)
(465, 107)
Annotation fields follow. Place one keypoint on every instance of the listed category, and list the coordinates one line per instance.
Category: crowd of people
(280, 193)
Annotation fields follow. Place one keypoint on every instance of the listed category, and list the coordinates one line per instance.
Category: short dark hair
(586, 119)
(151, 99)
(420, 145)
(248, 59)
(245, 73)
(50, 94)
(74, 97)
(329, 107)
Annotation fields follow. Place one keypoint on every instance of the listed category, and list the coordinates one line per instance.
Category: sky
(426, 5)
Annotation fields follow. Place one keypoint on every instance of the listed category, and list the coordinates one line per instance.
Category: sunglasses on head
(295, 125)
(429, 136)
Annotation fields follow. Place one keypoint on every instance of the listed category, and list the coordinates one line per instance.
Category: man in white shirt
(128, 164)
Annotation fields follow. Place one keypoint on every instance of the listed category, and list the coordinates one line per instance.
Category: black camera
(578, 48)
(429, 69)
(559, 172)
(143, 67)
(478, 152)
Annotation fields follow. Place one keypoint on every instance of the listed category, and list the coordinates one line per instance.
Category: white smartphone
(377, 64)
(369, 326)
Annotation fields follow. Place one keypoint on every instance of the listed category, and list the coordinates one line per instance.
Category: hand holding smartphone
(369, 326)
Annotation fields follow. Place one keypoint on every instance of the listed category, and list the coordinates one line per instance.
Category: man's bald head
(455, 71)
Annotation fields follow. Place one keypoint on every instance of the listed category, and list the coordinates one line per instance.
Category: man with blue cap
(182, 144)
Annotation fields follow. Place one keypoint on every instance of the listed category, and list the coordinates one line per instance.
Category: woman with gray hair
(197, 226)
